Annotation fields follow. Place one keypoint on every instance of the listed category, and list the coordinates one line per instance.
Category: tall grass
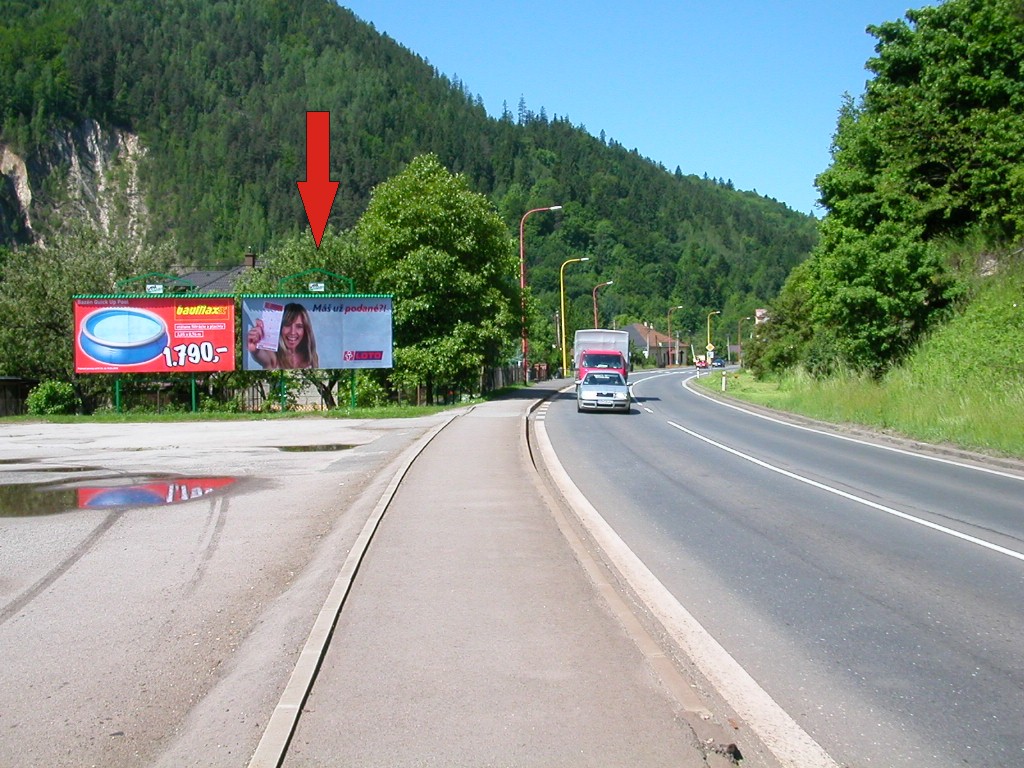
(963, 386)
(984, 419)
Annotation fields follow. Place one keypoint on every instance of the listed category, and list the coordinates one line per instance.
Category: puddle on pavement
(315, 448)
(34, 499)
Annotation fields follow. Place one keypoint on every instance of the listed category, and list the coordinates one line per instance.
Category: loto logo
(354, 355)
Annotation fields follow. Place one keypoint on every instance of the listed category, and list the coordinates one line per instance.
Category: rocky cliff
(89, 172)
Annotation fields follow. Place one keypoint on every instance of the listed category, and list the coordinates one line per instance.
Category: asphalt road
(875, 595)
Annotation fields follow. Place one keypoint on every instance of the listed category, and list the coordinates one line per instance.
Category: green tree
(931, 153)
(217, 95)
(37, 284)
(444, 253)
(946, 110)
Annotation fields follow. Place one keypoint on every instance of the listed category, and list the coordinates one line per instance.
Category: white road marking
(852, 497)
(925, 456)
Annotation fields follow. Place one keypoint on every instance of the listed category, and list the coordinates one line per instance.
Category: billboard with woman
(318, 332)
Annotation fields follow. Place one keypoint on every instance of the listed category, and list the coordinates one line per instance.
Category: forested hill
(218, 91)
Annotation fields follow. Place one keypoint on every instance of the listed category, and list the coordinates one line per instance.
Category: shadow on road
(542, 390)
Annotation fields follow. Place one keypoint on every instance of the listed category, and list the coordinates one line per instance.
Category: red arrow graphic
(318, 190)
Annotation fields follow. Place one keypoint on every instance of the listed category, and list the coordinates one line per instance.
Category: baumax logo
(200, 309)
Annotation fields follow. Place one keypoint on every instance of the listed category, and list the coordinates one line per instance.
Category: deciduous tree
(37, 284)
(446, 256)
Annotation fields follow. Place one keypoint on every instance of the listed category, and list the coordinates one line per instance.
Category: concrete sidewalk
(473, 636)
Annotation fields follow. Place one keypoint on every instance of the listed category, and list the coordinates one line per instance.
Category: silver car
(602, 391)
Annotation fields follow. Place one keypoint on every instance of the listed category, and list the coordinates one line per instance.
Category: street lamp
(599, 285)
(739, 340)
(709, 347)
(670, 311)
(561, 283)
(522, 280)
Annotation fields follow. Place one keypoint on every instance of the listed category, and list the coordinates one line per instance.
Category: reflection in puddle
(328, 447)
(30, 499)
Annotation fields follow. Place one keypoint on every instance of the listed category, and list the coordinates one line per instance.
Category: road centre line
(851, 497)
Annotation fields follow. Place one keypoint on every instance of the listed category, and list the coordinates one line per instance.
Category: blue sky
(743, 90)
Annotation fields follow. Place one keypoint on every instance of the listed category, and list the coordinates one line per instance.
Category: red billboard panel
(172, 334)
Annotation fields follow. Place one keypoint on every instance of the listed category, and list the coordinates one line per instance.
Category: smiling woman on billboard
(352, 331)
(296, 343)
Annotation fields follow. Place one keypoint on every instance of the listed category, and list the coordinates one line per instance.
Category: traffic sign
(711, 347)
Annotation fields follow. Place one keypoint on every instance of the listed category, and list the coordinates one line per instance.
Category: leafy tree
(931, 153)
(217, 94)
(946, 110)
(446, 256)
(37, 284)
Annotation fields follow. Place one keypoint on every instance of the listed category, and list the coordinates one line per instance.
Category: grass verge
(990, 420)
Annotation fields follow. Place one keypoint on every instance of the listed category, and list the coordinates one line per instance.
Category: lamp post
(739, 340)
(709, 347)
(599, 285)
(561, 283)
(670, 311)
(522, 281)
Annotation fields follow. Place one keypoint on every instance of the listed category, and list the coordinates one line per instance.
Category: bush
(369, 394)
(51, 398)
(213, 405)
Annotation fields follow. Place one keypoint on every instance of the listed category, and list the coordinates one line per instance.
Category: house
(660, 348)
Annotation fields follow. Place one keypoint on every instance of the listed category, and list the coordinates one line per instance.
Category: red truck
(600, 349)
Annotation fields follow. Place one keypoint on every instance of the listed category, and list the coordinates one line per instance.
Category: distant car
(718, 362)
(700, 363)
(603, 391)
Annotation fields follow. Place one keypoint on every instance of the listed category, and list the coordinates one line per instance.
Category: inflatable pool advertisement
(171, 334)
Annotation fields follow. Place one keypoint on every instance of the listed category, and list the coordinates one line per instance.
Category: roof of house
(644, 336)
(214, 280)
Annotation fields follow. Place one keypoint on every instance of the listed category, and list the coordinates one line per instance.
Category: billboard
(169, 334)
(322, 332)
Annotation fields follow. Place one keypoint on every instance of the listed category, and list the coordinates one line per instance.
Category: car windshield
(604, 378)
(601, 361)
